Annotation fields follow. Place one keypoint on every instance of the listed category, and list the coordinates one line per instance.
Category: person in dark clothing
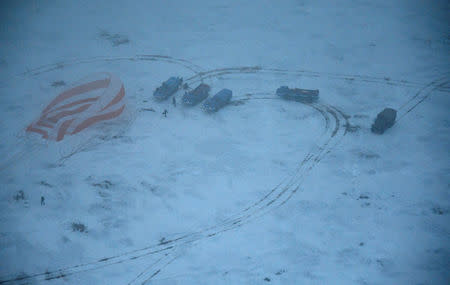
(174, 101)
(42, 201)
(165, 113)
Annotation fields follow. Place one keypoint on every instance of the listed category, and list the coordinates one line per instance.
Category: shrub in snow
(106, 184)
(58, 83)
(439, 211)
(115, 39)
(19, 196)
(79, 227)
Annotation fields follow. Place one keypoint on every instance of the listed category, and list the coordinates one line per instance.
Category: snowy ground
(265, 191)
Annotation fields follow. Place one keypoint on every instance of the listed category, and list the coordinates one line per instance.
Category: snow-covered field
(265, 191)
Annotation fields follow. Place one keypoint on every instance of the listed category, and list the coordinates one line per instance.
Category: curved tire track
(144, 57)
(279, 195)
(275, 198)
(283, 192)
(306, 73)
(21, 151)
(335, 129)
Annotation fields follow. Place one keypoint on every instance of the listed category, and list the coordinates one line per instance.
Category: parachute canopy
(95, 98)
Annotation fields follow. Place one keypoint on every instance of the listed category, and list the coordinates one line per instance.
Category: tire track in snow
(103, 262)
(279, 195)
(24, 150)
(283, 192)
(336, 124)
(272, 200)
(214, 73)
(422, 95)
(144, 57)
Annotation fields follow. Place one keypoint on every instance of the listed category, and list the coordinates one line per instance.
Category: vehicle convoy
(168, 88)
(297, 94)
(218, 101)
(196, 96)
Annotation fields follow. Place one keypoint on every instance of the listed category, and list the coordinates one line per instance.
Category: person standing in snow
(174, 101)
(42, 201)
(165, 113)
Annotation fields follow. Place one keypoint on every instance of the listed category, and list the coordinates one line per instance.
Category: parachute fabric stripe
(76, 91)
(96, 98)
(95, 119)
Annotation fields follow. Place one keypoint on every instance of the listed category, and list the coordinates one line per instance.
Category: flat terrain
(265, 191)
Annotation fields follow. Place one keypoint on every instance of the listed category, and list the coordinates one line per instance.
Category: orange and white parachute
(96, 98)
